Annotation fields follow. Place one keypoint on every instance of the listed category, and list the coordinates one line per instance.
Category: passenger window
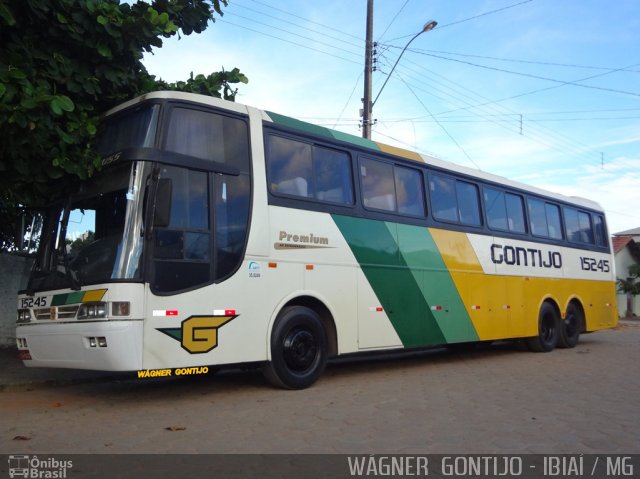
(455, 200)
(443, 198)
(538, 218)
(545, 219)
(468, 203)
(496, 209)
(308, 171)
(572, 225)
(290, 167)
(332, 171)
(586, 232)
(553, 221)
(515, 213)
(409, 191)
(392, 188)
(600, 230)
(378, 188)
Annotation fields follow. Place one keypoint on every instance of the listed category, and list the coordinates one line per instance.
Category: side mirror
(162, 209)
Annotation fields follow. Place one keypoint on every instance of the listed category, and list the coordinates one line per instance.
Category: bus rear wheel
(298, 349)
(570, 327)
(548, 330)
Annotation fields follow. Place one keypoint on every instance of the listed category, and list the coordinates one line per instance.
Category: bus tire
(298, 349)
(548, 330)
(570, 327)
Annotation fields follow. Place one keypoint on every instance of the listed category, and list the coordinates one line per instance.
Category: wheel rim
(547, 328)
(571, 324)
(300, 349)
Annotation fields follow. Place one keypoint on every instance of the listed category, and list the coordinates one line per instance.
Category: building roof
(631, 232)
(620, 242)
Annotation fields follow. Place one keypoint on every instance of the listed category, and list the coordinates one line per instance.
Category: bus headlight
(24, 316)
(120, 308)
(92, 310)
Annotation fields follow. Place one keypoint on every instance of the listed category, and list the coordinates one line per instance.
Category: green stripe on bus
(67, 298)
(424, 260)
(322, 131)
(408, 275)
(375, 246)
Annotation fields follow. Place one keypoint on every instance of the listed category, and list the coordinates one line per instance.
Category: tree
(62, 64)
(630, 286)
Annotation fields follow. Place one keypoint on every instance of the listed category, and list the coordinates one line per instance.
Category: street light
(368, 104)
(427, 27)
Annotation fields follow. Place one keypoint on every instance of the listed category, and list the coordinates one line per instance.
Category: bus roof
(354, 140)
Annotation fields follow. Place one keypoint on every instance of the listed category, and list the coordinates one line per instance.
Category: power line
(273, 27)
(530, 62)
(393, 19)
(271, 7)
(538, 137)
(538, 77)
(297, 25)
(471, 18)
(290, 41)
(439, 124)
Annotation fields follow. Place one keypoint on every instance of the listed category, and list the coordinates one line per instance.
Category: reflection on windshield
(98, 237)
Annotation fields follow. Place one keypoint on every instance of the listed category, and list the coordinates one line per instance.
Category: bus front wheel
(298, 349)
(548, 330)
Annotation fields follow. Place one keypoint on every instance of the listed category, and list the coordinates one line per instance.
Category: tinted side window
(378, 189)
(332, 169)
(515, 213)
(538, 218)
(290, 167)
(443, 198)
(308, 171)
(600, 230)
(553, 221)
(496, 209)
(232, 206)
(586, 232)
(409, 191)
(545, 219)
(182, 248)
(468, 203)
(571, 224)
(455, 200)
(208, 136)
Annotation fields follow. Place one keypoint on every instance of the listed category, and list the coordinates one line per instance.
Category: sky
(545, 92)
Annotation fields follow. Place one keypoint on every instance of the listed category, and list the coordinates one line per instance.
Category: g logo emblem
(198, 334)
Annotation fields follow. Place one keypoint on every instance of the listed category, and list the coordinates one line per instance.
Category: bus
(219, 234)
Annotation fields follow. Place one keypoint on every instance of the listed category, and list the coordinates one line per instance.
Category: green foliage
(62, 64)
(80, 243)
(631, 284)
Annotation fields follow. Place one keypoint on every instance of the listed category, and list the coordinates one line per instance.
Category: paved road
(502, 400)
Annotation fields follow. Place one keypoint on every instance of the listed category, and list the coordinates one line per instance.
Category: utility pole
(368, 70)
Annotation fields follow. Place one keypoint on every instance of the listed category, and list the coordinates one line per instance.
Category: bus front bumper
(96, 345)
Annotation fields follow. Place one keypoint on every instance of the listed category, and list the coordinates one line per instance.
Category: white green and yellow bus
(219, 234)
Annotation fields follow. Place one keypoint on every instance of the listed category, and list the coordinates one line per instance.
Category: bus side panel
(405, 270)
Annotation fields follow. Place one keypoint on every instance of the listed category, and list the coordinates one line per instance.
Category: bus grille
(56, 312)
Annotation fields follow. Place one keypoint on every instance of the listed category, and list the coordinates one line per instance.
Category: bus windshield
(134, 128)
(97, 235)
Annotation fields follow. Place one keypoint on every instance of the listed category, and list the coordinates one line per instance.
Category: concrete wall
(14, 273)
